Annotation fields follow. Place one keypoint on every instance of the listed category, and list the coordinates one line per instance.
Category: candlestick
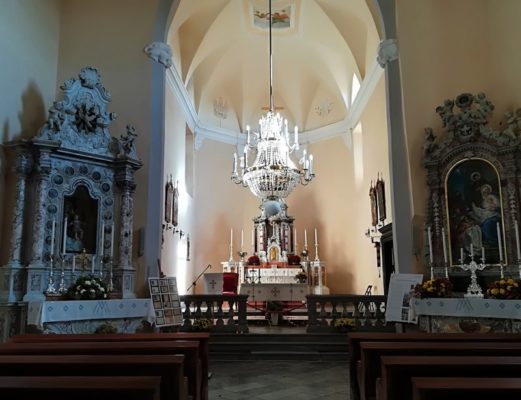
(445, 258)
(516, 228)
(242, 239)
(52, 235)
(102, 240)
(305, 238)
(499, 243)
(64, 236)
(316, 237)
(429, 236)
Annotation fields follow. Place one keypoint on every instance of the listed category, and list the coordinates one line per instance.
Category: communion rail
(229, 313)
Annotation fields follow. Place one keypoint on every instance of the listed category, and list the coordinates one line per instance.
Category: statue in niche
(81, 214)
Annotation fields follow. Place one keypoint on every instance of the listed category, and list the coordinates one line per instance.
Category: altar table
(83, 316)
(275, 291)
(464, 314)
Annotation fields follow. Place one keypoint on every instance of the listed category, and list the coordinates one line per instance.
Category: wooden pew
(201, 337)
(190, 349)
(80, 387)
(460, 388)
(355, 338)
(168, 367)
(368, 368)
(398, 371)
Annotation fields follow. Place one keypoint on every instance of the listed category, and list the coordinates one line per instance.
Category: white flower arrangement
(88, 288)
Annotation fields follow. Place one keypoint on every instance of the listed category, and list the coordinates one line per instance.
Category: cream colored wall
(29, 35)
(447, 48)
(111, 35)
(174, 255)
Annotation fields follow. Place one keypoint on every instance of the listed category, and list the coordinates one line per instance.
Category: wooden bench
(355, 338)
(168, 367)
(398, 371)
(368, 368)
(80, 387)
(190, 349)
(201, 337)
(460, 388)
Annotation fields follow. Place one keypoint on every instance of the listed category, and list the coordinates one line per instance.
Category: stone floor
(274, 380)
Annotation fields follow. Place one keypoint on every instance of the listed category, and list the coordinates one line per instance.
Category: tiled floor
(274, 380)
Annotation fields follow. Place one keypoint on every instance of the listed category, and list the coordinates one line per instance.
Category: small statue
(429, 146)
(126, 143)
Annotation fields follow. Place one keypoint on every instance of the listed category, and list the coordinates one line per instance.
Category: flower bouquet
(438, 287)
(509, 289)
(88, 288)
(202, 324)
(344, 324)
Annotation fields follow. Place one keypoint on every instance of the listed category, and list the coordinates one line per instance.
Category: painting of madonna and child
(474, 212)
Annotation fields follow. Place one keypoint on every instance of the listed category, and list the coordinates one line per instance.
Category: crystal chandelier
(273, 174)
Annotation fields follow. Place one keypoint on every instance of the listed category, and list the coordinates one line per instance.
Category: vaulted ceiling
(221, 55)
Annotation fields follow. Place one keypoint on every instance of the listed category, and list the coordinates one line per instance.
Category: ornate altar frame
(73, 151)
(467, 149)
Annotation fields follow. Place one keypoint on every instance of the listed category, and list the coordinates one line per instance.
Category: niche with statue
(73, 203)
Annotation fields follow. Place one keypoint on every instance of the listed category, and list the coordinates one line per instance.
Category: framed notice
(165, 300)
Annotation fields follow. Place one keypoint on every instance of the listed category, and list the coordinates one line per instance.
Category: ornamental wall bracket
(159, 52)
(387, 52)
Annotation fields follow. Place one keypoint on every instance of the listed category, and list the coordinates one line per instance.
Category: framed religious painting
(474, 211)
(380, 198)
(175, 205)
(374, 207)
(169, 199)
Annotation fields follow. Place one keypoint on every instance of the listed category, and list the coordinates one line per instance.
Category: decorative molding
(387, 52)
(159, 52)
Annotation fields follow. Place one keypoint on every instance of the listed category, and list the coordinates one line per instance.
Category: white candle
(500, 244)
(234, 163)
(461, 255)
(516, 228)
(92, 266)
(316, 237)
(53, 230)
(112, 241)
(253, 238)
(102, 240)
(429, 236)
(305, 238)
(445, 259)
(64, 236)
(73, 264)
(231, 237)
(295, 240)
(482, 255)
(242, 239)
(471, 249)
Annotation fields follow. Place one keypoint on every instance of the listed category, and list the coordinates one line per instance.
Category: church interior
(233, 169)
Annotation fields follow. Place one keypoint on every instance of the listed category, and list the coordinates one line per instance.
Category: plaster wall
(111, 35)
(29, 37)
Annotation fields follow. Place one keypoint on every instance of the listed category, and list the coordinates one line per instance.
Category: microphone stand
(198, 277)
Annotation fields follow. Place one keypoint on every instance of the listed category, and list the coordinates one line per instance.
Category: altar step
(317, 347)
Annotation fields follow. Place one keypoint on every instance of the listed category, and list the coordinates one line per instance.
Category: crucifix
(83, 259)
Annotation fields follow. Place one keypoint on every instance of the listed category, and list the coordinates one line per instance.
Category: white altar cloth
(275, 291)
(39, 313)
(467, 307)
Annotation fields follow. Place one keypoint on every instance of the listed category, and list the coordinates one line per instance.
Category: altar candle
(516, 228)
(482, 254)
(461, 255)
(92, 264)
(500, 244)
(445, 259)
(242, 238)
(53, 230)
(252, 238)
(64, 235)
(429, 236)
(231, 237)
(73, 264)
(471, 249)
(295, 240)
(306, 238)
(112, 241)
(102, 240)
(316, 237)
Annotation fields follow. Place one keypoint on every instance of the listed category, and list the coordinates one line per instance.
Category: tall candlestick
(53, 230)
(112, 241)
(445, 259)
(516, 228)
(64, 235)
(316, 237)
(306, 238)
(429, 236)
(500, 244)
